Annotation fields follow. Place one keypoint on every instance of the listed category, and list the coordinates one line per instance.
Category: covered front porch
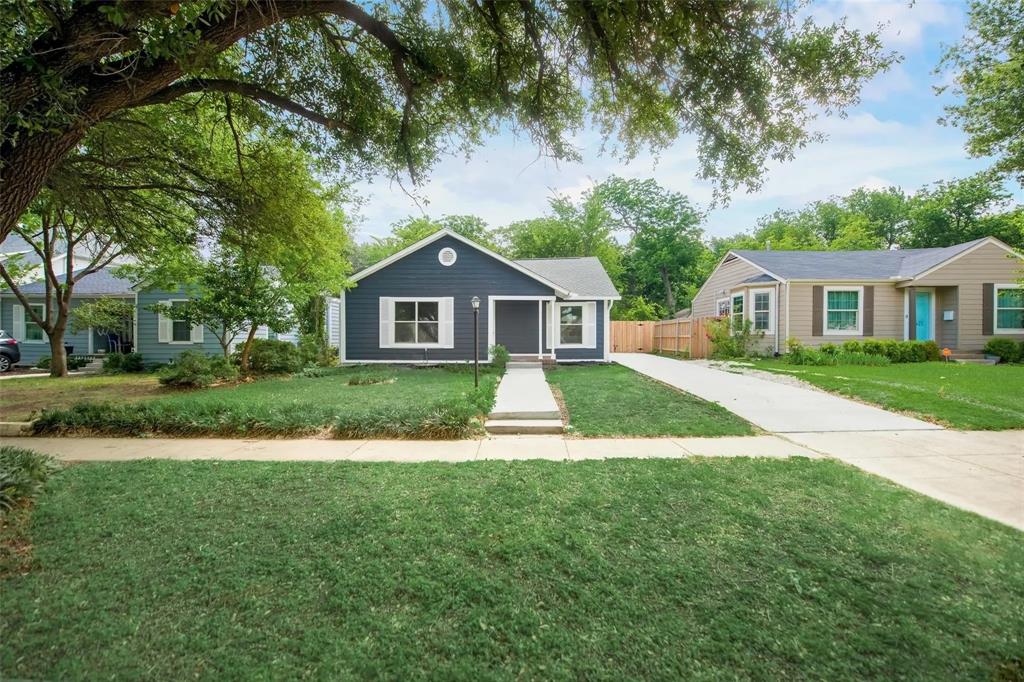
(932, 314)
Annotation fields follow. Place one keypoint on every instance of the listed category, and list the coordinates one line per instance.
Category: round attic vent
(447, 256)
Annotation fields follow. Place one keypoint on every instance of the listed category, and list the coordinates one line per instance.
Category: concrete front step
(526, 414)
(520, 364)
(523, 426)
(977, 361)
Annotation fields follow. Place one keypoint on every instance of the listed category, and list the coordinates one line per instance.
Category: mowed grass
(24, 399)
(622, 569)
(973, 397)
(612, 400)
(405, 402)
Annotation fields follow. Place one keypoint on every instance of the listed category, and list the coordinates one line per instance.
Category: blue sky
(891, 138)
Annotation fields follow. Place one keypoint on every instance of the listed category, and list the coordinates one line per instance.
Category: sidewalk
(494, 448)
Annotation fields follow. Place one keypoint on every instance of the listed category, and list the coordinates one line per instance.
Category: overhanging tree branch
(249, 90)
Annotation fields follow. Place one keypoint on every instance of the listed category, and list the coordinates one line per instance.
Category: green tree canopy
(957, 211)
(409, 231)
(988, 64)
(390, 86)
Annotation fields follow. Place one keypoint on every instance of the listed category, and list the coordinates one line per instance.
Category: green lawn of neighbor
(612, 400)
(620, 569)
(409, 402)
(977, 397)
(25, 399)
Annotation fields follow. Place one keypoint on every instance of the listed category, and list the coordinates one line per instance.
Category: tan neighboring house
(960, 296)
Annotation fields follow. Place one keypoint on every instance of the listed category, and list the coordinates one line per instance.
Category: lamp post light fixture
(475, 302)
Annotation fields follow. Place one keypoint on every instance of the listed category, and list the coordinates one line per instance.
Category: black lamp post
(475, 302)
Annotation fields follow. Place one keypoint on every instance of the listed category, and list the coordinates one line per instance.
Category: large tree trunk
(58, 358)
(246, 347)
(670, 296)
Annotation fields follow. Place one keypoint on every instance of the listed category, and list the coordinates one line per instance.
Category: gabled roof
(558, 273)
(99, 283)
(584, 276)
(899, 264)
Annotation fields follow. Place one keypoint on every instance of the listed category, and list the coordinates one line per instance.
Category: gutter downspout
(778, 317)
(788, 287)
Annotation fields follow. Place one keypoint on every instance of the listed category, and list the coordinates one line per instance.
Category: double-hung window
(1009, 309)
(33, 332)
(181, 330)
(843, 310)
(737, 312)
(570, 324)
(763, 309)
(416, 322)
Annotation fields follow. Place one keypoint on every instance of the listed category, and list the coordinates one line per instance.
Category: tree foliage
(988, 64)
(413, 229)
(391, 86)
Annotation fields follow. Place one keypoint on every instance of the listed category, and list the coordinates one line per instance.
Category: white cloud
(901, 25)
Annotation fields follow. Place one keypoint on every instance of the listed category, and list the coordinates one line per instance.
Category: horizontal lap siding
(148, 337)
(32, 352)
(420, 274)
(987, 264)
(729, 276)
(888, 313)
(946, 334)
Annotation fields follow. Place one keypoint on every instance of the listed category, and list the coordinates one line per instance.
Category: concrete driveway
(981, 471)
(775, 407)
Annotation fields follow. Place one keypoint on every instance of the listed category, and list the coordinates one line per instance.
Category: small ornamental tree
(232, 295)
(105, 315)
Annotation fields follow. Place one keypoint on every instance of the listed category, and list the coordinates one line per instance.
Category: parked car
(10, 351)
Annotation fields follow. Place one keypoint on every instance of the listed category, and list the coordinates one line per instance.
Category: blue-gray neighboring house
(157, 337)
(416, 306)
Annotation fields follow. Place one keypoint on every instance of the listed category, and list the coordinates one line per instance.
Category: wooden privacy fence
(669, 336)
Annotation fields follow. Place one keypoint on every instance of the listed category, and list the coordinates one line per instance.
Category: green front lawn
(408, 402)
(612, 400)
(962, 396)
(623, 569)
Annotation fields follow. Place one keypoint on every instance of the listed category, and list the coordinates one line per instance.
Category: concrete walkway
(773, 406)
(524, 402)
(499, 447)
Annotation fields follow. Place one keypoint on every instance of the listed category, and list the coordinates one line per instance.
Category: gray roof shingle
(852, 265)
(100, 283)
(583, 276)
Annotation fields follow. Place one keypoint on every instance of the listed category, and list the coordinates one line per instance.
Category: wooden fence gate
(686, 337)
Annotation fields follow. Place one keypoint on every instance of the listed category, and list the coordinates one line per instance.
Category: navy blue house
(415, 306)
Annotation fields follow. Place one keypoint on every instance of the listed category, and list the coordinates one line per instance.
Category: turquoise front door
(923, 316)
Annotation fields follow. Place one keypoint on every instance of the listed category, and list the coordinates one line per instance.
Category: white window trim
(742, 293)
(583, 324)
(771, 309)
(718, 306)
(417, 299)
(29, 320)
(996, 329)
(171, 302)
(859, 331)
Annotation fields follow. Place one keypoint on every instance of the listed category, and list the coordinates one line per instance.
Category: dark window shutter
(869, 311)
(912, 313)
(988, 293)
(817, 304)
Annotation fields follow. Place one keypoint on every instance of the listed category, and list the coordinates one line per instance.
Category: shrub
(1007, 350)
(122, 363)
(22, 475)
(499, 357)
(73, 361)
(729, 341)
(272, 356)
(853, 346)
(828, 354)
(193, 369)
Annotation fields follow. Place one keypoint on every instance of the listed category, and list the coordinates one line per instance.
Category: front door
(923, 331)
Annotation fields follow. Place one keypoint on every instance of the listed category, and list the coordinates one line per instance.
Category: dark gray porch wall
(516, 326)
(420, 274)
